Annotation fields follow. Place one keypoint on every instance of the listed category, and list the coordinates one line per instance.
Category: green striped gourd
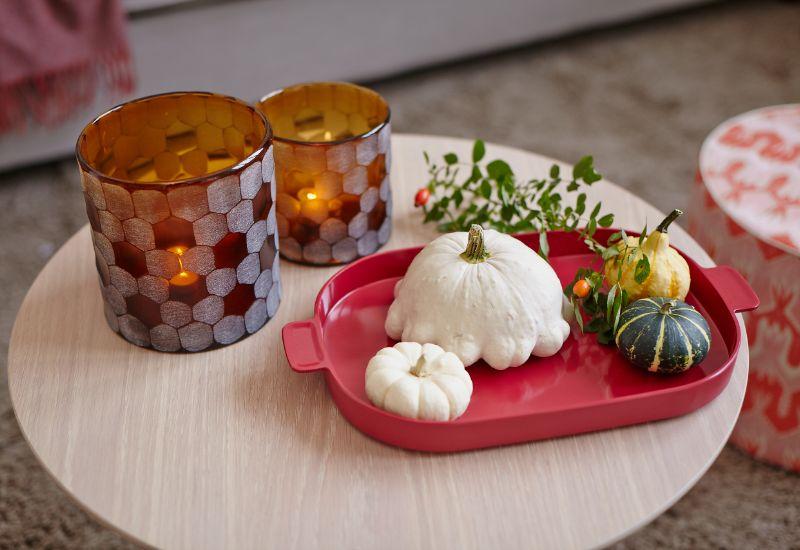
(663, 335)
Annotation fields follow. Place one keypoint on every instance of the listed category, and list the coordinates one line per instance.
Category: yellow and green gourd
(663, 335)
(669, 273)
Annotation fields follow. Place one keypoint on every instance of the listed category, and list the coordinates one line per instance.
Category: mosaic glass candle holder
(332, 160)
(179, 193)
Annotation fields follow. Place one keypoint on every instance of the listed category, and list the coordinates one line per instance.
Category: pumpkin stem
(476, 251)
(666, 307)
(419, 368)
(662, 227)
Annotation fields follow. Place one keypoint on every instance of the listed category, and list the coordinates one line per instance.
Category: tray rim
(317, 321)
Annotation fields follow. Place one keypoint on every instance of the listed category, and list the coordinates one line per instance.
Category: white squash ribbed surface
(418, 381)
(502, 309)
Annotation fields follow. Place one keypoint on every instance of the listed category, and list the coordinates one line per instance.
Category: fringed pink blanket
(56, 54)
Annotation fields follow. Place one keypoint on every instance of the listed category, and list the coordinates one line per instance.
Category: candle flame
(183, 277)
(311, 195)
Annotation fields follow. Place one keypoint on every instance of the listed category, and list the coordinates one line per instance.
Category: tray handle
(302, 342)
(736, 292)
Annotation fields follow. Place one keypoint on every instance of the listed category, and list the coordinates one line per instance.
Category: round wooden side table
(230, 448)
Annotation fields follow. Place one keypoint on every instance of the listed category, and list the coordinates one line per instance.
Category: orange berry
(581, 288)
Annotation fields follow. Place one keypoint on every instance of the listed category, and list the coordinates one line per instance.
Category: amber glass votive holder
(332, 159)
(179, 194)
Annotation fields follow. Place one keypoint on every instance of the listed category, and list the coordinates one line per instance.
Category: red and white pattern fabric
(747, 214)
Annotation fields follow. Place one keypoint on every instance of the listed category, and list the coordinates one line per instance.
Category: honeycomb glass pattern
(332, 158)
(179, 194)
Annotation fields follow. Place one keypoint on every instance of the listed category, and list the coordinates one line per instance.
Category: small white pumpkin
(481, 294)
(418, 381)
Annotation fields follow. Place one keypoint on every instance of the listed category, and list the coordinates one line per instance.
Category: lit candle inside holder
(183, 278)
(332, 159)
(312, 207)
(179, 194)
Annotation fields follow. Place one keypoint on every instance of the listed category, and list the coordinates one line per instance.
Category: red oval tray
(585, 387)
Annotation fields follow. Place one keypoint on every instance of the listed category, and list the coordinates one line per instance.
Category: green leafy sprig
(490, 195)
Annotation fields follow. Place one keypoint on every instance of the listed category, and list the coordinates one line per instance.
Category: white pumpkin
(481, 294)
(418, 381)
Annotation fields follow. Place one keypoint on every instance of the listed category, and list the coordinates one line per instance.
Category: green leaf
(554, 171)
(498, 168)
(591, 176)
(486, 189)
(581, 167)
(615, 312)
(643, 235)
(478, 150)
(544, 246)
(580, 204)
(451, 158)
(595, 211)
(429, 215)
(606, 220)
(605, 337)
(427, 158)
(642, 271)
(597, 324)
(592, 227)
(584, 170)
(578, 316)
(482, 215)
(458, 197)
(507, 183)
(476, 173)
(609, 253)
(612, 294)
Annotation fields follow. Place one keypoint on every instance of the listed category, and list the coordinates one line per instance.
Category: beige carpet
(640, 98)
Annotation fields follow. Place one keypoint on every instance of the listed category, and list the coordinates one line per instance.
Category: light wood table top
(230, 448)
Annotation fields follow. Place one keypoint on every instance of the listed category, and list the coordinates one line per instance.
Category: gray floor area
(640, 98)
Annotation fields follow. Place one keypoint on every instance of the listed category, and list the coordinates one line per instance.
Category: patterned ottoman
(747, 214)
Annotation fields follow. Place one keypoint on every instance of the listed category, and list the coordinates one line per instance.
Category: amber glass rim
(230, 170)
(374, 130)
